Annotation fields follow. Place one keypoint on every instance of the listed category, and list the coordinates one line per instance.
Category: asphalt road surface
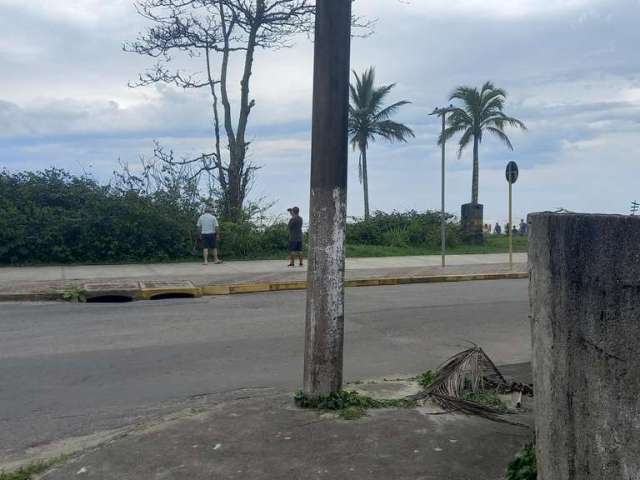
(72, 369)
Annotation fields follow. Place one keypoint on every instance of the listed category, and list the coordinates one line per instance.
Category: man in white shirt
(209, 235)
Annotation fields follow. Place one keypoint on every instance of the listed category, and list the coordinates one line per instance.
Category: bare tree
(217, 32)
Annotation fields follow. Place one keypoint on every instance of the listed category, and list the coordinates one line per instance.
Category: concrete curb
(154, 290)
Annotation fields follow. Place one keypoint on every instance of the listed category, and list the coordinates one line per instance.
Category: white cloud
(571, 69)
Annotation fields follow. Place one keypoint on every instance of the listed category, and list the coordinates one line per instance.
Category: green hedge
(402, 229)
(52, 217)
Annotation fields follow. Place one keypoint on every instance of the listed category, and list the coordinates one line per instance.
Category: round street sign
(511, 172)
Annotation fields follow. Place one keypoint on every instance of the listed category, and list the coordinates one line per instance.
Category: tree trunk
(475, 179)
(365, 181)
(237, 178)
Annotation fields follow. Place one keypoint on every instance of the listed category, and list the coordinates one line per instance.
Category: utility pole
(324, 326)
(442, 112)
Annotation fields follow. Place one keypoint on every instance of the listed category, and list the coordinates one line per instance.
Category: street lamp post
(442, 112)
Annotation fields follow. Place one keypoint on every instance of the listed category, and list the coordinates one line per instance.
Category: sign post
(512, 175)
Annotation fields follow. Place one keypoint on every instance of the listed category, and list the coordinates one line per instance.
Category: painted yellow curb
(250, 288)
(150, 293)
(261, 287)
(150, 290)
(208, 290)
(280, 286)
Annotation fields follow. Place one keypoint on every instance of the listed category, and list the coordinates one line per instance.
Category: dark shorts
(209, 240)
(295, 245)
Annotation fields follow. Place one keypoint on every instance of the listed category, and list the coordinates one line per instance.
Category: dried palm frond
(465, 371)
(470, 372)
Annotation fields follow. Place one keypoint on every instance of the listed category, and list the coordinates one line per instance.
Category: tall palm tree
(368, 119)
(481, 111)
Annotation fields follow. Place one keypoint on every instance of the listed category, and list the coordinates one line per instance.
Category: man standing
(209, 235)
(295, 236)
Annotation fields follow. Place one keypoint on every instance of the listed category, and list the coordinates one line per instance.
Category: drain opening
(170, 295)
(110, 299)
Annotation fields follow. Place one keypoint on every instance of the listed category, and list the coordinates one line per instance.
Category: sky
(570, 67)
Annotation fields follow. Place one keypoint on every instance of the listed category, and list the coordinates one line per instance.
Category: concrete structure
(471, 217)
(585, 307)
(324, 337)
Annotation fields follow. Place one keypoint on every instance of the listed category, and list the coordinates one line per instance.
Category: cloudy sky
(571, 68)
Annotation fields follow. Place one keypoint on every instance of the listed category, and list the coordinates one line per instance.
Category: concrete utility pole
(324, 334)
(585, 311)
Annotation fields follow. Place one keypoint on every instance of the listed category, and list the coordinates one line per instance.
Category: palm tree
(368, 119)
(481, 111)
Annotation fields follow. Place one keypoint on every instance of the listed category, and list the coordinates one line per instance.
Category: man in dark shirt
(295, 236)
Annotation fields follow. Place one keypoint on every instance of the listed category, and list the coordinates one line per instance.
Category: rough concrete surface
(585, 308)
(266, 437)
(69, 370)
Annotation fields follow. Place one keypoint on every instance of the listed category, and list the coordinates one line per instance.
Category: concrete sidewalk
(261, 435)
(142, 281)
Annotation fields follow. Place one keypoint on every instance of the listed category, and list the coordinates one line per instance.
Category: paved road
(69, 370)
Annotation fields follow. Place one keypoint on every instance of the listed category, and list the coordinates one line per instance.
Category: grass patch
(27, 472)
(425, 378)
(492, 244)
(350, 405)
(352, 413)
(523, 466)
(75, 295)
(490, 399)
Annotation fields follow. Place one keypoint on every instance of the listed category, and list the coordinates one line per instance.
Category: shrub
(523, 466)
(403, 229)
(54, 217)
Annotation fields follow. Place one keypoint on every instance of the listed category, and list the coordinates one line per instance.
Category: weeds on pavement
(523, 466)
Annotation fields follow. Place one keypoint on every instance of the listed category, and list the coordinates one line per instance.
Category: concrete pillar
(324, 326)
(471, 215)
(585, 321)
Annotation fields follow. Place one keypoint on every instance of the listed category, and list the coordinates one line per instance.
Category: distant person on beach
(523, 227)
(209, 233)
(295, 237)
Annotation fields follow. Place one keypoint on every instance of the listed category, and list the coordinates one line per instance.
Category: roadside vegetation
(523, 466)
(31, 471)
(350, 405)
(52, 217)
(25, 473)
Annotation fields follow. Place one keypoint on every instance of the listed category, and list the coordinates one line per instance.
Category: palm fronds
(369, 119)
(469, 374)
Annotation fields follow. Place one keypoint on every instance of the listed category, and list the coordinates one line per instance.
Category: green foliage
(344, 400)
(523, 466)
(352, 413)
(369, 119)
(29, 471)
(403, 229)
(426, 378)
(487, 398)
(75, 295)
(245, 240)
(52, 217)
(24, 473)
